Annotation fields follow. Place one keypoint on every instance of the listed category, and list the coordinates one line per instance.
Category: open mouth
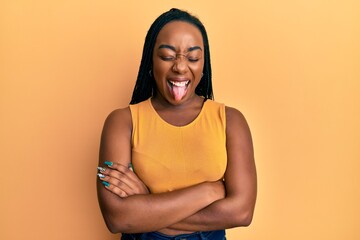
(179, 84)
(178, 89)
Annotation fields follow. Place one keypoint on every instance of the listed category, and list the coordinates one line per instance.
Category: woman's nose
(180, 64)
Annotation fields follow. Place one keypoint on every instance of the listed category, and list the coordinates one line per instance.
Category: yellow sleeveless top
(167, 157)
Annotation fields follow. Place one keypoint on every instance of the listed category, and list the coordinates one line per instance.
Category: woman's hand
(121, 180)
(218, 188)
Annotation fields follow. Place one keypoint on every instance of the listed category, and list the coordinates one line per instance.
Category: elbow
(113, 229)
(116, 225)
(246, 220)
(112, 226)
(118, 228)
(243, 219)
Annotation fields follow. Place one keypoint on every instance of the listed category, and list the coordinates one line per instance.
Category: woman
(175, 164)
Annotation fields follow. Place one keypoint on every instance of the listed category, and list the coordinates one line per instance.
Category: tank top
(167, 157)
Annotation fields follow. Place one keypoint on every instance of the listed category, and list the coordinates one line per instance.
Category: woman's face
(178, 61)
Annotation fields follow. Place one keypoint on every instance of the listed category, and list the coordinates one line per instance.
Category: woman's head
(145, 85)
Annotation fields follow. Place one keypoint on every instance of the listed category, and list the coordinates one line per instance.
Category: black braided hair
(145, 86)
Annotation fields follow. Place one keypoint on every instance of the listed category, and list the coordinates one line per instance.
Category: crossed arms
(128, 207)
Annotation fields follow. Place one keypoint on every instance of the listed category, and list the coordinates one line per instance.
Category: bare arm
(237, 208)
(142, 212)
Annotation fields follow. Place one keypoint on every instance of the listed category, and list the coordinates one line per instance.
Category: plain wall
(292, 68)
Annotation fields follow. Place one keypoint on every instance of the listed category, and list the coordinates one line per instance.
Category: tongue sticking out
(178, 92)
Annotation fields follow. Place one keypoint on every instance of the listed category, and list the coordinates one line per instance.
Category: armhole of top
(133, 113)
(223, 115)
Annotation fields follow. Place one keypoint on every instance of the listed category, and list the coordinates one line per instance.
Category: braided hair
(145, 86)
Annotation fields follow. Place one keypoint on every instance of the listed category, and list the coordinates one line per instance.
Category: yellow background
(292, 67)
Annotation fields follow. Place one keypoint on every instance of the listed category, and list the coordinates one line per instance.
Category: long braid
(145, 85)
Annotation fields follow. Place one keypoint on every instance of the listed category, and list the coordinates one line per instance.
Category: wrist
(216, 191)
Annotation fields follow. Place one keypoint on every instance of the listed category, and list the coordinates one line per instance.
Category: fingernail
(106, 184)
(131, 167)
(108, 163)
(101, 169)
(101, 175)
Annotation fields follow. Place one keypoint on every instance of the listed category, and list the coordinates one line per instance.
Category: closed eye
(193, 59)
(169, 58)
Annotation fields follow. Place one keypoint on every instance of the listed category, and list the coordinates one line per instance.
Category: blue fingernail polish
(131, 166)
(106, 184)
(101, 175)
(108, 163)
(101, 169)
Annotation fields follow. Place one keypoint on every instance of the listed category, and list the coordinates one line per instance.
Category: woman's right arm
(142, 212)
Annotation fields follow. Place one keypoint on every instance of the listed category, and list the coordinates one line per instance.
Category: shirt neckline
(174, 126)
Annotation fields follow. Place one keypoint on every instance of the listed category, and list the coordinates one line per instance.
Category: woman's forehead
(180, 34)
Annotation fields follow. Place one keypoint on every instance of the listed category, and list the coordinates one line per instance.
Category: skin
(126, 204)
(178, 56)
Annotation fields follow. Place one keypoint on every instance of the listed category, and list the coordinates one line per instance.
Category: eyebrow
(174, 49)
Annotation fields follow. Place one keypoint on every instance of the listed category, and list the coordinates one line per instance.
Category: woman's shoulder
(120, 113)
(119, 119)
(233, 112)
(235, 117)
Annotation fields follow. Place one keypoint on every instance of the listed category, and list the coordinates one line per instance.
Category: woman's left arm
(237, 208)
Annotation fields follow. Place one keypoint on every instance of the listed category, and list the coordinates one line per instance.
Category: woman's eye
(193, 59)
(167, 58)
